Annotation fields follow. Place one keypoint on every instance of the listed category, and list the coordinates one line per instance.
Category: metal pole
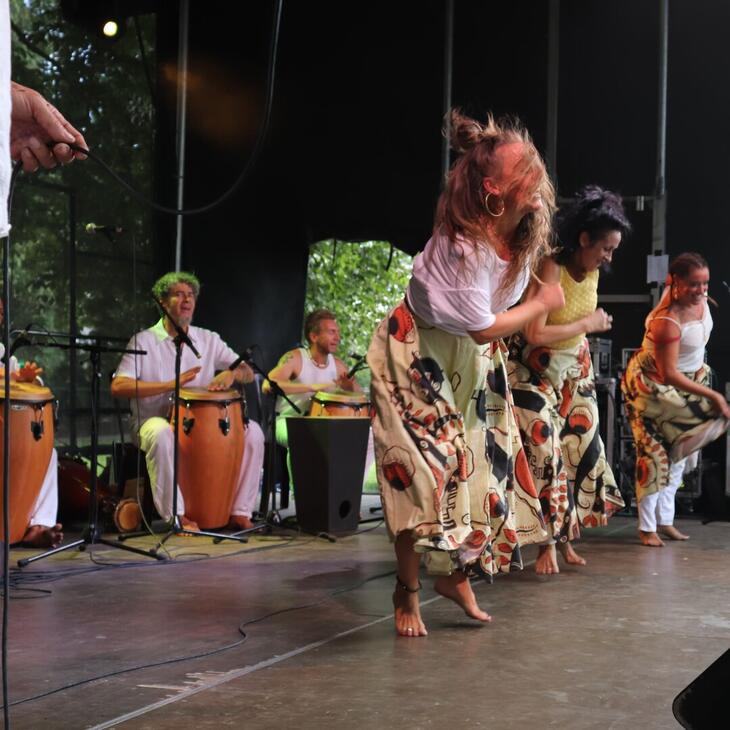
(72, 319)
(659, 208)
(182, 101)
(448, 76)
(553, 88)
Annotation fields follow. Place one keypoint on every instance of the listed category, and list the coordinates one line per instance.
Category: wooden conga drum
(211, 447)
(31, 443)
(341, 404)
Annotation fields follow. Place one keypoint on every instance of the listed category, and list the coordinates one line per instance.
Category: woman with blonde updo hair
(671, 408)
(453, 478)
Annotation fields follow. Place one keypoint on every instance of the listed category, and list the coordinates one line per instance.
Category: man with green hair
(149, 380)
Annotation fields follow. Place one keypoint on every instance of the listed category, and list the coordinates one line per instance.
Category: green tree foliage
(103, 90)
(356, 283)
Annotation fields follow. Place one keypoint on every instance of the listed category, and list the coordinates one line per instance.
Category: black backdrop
(354, 149)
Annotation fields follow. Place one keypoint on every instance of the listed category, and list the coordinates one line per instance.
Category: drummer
(149, 381)
(304, 371)
(43, 530)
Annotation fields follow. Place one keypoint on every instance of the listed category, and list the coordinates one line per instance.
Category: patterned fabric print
(661, 417)
(555, 401)
(451, 468)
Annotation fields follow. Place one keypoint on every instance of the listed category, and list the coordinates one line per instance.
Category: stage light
(110, 28)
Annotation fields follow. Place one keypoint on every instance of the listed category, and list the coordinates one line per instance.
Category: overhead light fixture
(110, 28)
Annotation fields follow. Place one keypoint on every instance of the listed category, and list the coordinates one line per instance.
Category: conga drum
(341, 404)
(211, 437)
(31, 443)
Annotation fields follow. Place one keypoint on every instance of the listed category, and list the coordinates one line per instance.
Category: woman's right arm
(666, 335)
(547, 297)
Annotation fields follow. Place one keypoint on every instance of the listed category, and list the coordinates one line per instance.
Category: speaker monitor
(703, 704)
(328, 464)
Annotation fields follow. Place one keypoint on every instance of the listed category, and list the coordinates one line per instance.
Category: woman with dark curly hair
(553, 384)
(452, 473)
(672, 410)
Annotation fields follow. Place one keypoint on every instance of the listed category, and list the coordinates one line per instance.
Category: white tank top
(310, 373)
(693, 339)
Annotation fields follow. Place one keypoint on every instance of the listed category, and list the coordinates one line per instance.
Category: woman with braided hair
(671, 408)
(453, 477)
(553, 384)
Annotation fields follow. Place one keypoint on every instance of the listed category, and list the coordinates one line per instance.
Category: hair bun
(465, 133)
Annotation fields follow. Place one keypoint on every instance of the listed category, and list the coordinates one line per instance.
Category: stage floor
(605, 646)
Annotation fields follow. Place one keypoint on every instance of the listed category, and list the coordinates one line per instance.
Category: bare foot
(407, 611)
(189, 524)
(672, 532)
(458, 588)
(650, 539)
(569, 555)
(240, 522)
(41, 536)
(547, 561)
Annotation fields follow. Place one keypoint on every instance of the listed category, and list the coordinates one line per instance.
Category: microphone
(246, 357)
(107, 231)
(22, 339)
(358, 361)
(96, 228)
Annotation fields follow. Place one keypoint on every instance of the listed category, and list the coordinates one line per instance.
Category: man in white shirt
(304, 371)
(149, 380)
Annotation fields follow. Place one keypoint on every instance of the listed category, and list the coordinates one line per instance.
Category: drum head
(203, 394)
(29, 393)
(128, 516)
(341, 396)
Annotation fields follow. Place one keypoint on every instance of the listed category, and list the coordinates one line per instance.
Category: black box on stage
(601, 356)
(328, 465)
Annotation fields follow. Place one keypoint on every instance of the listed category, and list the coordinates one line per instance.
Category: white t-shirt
(158, 365)
(458, 288)
(5, 107)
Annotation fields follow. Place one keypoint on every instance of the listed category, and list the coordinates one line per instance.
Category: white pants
(45, 509)
(282, 438)
(156, 439)
(658, 508)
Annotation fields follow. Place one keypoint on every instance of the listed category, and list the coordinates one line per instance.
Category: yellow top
(581, 299)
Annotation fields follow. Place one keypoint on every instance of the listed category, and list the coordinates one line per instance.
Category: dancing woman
(670, 407)
(453, 478)
(553, 384)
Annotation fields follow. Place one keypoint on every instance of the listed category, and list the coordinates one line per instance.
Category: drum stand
(176, 527)
(92, 534)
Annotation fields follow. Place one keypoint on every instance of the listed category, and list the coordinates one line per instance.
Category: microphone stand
(92, 533)
(268, 492)
(176, 527)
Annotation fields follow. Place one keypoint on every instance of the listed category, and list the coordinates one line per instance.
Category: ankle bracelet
(402, 585)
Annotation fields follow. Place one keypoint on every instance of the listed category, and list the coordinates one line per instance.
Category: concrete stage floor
(605, 646)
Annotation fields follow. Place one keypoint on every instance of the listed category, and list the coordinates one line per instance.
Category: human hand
(222, 381)
(188, 375)
(551, 296)
(599, 321)
(28, 373)
(721, 405)
(34, 123)
(345, 383)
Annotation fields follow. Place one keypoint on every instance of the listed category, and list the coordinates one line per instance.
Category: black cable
(6, 454)
(145, 65)
(235, 644)
(249, 164)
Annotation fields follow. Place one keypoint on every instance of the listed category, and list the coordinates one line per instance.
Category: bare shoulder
(291, 361)
(549, 270)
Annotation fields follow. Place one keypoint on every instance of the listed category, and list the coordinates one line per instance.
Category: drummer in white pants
(43, 530)
(149, 381)
(304, 371)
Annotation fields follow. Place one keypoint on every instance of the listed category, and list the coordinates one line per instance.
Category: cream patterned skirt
(555, 400)
(451, 468)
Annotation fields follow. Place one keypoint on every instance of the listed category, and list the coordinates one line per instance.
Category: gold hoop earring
(489, 210)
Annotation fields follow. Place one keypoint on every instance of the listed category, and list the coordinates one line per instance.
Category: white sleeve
(127, 367)
(223, 356)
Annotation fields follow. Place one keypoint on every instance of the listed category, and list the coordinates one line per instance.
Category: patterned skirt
(450, 464)
(555, 400)
(668, 424)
